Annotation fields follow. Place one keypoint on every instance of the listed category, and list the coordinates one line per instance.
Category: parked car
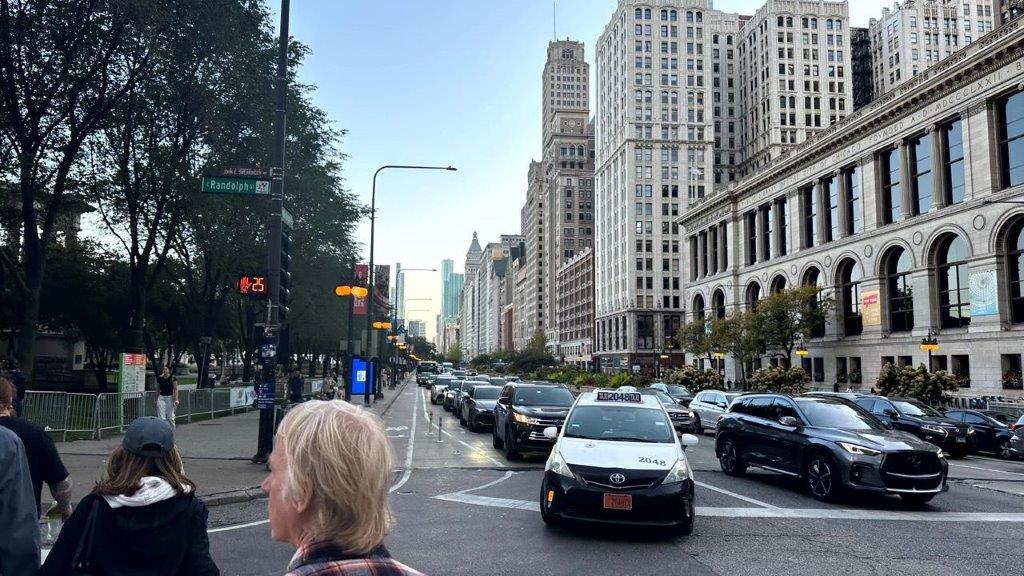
(467, 387)
(832, 445)
(478, 407)
(523, 412)
(682, 417)
(439, 387)
(1017, 442)
(708, 405)
(991, 430)
(1018, 424)
(921, 420)
(424, 369)
(681, 394)
(450, 394)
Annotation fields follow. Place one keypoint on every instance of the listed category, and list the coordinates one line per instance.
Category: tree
(694, 379)
(739, 335)
(929, 387)
(454, 354)
(790, 316)
(534, 355)
(780, 379)
(63, 67)
(702, 338)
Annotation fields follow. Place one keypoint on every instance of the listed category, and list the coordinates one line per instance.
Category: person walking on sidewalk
(143, 518)
(328, 491)
(167, 388)
(44, 463)
(295, 386)
(19, 514)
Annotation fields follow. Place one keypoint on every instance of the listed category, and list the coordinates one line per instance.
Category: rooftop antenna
(554, 22)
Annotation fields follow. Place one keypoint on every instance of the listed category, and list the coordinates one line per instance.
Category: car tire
(698, 426)
(822, 477)
(1004, 451)
(471, 423)
(511, 454)
(917, 499)
(496, 442)
(548, 519)
(729, 459)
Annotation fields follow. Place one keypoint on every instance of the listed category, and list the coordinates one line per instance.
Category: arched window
(899, 290)
(638, 14)
(778, 284)
(718, 303)
(1014, 262)
(848, 286)
(753, 295)
(647, 14)
(698, 307)
(664, 96)
(954, 282)
(580, 152)
(813, 278)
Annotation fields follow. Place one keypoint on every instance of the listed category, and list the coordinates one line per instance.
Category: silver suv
(707, 406)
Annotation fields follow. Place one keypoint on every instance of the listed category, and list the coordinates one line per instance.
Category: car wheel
(548, 519)
(698, 428)
(472, 423)
(823, 477)
(1004, 450)
(496, 442)
(511, 454)
(729, 459)
(916, 499)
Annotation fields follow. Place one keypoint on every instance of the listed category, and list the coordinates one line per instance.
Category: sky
(445, 82)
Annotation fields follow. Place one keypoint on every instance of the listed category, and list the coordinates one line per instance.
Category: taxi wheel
(496, 442)
(729, 459)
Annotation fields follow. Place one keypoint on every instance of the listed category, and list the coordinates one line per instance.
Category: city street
(461, 509)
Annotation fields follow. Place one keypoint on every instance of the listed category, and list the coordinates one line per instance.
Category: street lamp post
(719, 364)
(373, 220)
(930, 344)
(353, 291)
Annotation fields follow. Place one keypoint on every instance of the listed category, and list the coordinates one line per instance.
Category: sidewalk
(216, 455)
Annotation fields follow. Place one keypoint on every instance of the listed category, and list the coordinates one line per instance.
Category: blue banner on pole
(267, 396)
(362, 376)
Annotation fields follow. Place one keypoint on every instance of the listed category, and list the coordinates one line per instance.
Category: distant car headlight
(858, 449)
(679, 472)
(524, 419)
(934, 429)
(557, 465)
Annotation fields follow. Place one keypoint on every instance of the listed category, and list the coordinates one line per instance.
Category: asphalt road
(461, 509)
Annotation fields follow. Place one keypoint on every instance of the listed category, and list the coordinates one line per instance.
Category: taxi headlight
(557, 465)
(859, 450)
(524, 419)
(679, 472)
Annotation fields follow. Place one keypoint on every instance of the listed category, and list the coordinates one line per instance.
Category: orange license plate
(618, 501)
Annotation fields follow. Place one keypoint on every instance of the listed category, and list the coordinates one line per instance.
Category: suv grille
(912, 471)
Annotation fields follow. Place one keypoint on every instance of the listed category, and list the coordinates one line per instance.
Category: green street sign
(226, 185)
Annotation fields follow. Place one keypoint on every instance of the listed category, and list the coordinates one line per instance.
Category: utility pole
(273, 330)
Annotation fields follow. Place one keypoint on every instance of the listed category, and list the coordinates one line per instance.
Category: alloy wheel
(1004, 450)
(728, 457)
(819, 477)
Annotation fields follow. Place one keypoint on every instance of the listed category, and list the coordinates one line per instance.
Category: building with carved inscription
(909, 214)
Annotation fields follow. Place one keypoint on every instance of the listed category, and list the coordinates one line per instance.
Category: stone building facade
(575, 291)
(909, 214)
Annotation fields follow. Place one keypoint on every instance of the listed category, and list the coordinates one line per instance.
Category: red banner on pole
(360, 305)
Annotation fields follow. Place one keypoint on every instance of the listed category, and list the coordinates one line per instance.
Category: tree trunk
(35, 261)
(137, 297)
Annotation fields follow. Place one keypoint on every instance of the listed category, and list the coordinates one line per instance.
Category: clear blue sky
(445, 82)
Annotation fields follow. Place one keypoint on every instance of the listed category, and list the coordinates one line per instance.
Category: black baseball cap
(149, 436)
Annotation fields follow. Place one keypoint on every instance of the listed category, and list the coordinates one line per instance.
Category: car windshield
(677, 390)
(622, 423)
(665, 398)
(486, 392)
(825, 413)
(543, 396)
(914, 408)
(456, 385)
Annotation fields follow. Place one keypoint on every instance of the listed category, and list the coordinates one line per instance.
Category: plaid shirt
(330, 559)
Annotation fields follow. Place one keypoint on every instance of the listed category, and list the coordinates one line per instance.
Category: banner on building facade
(871, 308)
(984, 293)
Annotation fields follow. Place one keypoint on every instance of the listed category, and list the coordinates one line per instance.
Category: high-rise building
(417, 329)
(534, 266)
(576, 309)
(398, 298)
(451, 289)
(920, 33)
(863, 71)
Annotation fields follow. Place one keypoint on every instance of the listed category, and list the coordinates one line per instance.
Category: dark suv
(921, 420)
(523, 412)
(831, 444)
(424, 370)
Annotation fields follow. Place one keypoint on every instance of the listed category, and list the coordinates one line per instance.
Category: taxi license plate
(618, 501)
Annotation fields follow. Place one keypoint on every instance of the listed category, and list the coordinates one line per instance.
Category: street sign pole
(266, 426)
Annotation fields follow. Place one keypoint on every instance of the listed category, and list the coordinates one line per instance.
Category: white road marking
(985, 469)
(409, 449)
(734, 495)
(466, 444)
(507, 475)
(781, 513)
(238, 526)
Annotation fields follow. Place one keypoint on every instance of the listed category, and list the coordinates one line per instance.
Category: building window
(955, 181)
(921, 177)
(954, 282)
(899, 290)
(751, 226)
(766, 231)
(753, 295)
(810, 204)
(831, 187)
(778, 284)
(1014, 262)
(645, 331)
(960, 365)
(1011, 139)
(698, 307)
(782, 224)
(849, 289)
(718, 304)
(813, 278)
(854, 208)
(889, 165)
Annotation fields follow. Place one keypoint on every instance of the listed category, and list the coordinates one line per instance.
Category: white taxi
(618, 460)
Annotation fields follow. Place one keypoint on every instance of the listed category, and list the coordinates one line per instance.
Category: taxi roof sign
(614, 396)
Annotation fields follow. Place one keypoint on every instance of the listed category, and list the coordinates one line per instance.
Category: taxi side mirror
(551, 433)
(688, 440)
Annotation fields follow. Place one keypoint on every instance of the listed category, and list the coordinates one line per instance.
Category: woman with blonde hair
(143, 518)
(328, 491)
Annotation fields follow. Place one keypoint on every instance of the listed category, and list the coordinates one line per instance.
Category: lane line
(238, 526)
(489, 484)
(986, 470)
(466, 444)
(734, 495)
(409, 448)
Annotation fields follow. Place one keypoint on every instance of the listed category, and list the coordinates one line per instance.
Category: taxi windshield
(621, 423)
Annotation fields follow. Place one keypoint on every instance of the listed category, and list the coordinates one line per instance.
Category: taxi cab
(617, 460)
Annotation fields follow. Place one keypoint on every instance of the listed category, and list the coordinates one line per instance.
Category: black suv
(523, 412)
(831, 444)
(922, 421)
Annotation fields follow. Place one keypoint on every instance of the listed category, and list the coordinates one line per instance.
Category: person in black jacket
(147, 517)
(295, 385)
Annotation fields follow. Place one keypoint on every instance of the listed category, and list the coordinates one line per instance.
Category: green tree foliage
(929, 387)
(780, 379)
(740, 336)
(694, 379)
(785, 318)
(454, 354)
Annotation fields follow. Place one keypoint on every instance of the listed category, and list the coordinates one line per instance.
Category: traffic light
(286, 276)
(252, 285)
